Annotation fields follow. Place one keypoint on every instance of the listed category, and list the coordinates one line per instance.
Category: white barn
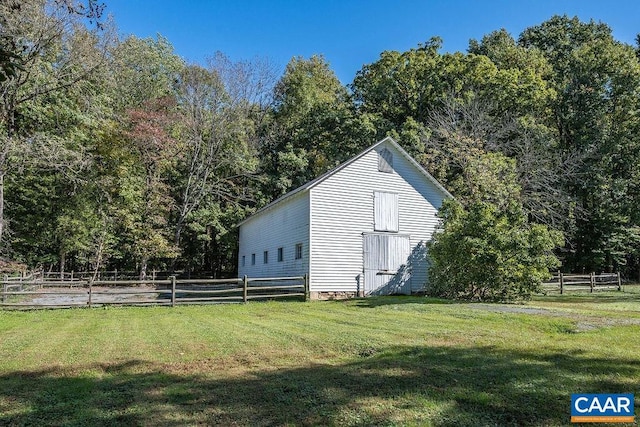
(359, 229)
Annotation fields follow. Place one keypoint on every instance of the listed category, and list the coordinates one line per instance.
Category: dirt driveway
(100, 295)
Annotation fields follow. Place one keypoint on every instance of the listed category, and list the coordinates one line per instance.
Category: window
(253, 259)
(280, 254)
(243, 260)
(385, 208)
(385, 161)
(299, 251)
(265, 257)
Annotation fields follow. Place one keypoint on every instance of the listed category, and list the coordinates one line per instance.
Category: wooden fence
(30, 292)
(561, 282)
(123, 275)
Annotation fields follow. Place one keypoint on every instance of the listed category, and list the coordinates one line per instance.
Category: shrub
(487, 253)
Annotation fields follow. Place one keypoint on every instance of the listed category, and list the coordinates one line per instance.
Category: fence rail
(124, 275)
(53, 292)
(561, 282)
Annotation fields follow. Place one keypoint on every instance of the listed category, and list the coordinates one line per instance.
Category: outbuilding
(359, 229)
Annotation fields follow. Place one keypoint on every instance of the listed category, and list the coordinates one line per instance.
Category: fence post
(619, 282)
(115, 274)
(592, 279)
(561, 283)
(90, 291)
(173, 291)
(245, 287)
(306, 287)
(72, 275)
(5, 278)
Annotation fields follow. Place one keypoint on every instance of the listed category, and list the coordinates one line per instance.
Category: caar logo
(602, 408)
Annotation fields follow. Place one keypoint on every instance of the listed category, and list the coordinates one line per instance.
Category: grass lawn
(378, 361)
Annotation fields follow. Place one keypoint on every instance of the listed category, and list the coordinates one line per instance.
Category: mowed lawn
(379, 361)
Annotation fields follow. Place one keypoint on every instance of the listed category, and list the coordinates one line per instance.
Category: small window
(280, 254)
(243, 260)
(299, 251)
(253, 259)
(385, 161)
(265, 257)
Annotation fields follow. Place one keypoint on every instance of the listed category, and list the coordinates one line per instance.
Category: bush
(484, 253)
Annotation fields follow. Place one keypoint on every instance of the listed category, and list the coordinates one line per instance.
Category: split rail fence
(561, 282)
(36, 291)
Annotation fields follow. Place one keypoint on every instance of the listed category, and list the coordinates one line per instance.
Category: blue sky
(347, 33)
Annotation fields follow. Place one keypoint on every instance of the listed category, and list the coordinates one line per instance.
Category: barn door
(385, 264)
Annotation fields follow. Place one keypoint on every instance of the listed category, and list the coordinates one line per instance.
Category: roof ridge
(343, 165)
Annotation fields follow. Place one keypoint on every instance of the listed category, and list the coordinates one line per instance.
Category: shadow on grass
(416, 385)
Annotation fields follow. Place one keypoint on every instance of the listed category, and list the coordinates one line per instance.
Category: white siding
(343, 209)
(282, 226)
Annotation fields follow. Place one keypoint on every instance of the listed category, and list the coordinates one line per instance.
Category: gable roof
(309, 185)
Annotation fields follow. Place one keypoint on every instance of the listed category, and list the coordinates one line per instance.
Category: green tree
(314, 126)
(221, 108)
(463, 138)
(408, 86)
(142, 70)
(488, 254)
(597, 81)
(46, 52)
(520, 86)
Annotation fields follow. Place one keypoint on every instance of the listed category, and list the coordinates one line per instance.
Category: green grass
(380, 361)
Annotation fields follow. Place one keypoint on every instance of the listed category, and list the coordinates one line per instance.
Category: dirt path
(100, 295)
(583, 322)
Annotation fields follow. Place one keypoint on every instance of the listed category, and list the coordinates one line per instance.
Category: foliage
(595, 114)
(217, 133)
(142, 70)
(314, 126)
(485, 253)
(116, 152)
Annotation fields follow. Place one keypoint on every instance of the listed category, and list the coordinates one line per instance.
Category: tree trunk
(63, 261)
(143, 268)
(98, 258)
(176, 241)
(207, 259)
(1, 205)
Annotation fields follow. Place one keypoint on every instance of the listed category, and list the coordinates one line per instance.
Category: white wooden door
(386, 269)
(385, 211)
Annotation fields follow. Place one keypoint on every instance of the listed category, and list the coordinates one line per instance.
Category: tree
(44, 49)
(142, 70)
(488, 248)
(9, 54)
(314, 126)
(520, 86)
(408, 86)
(595, 114)
(145, 192)
(221, 109)
(401, 85)
(485, 253)
(54, 51)
(464, 138)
